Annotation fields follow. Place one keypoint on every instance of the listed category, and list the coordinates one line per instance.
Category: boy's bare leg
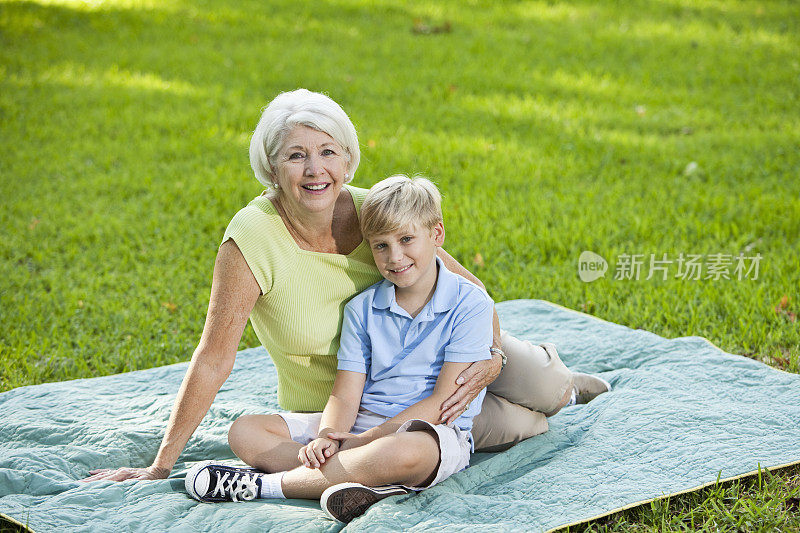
(409, 458)
(263, 442)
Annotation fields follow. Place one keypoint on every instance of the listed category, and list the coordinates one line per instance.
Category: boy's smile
(406, 257)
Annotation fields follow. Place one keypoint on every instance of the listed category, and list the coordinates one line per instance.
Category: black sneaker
(210, 482)
(345, 501)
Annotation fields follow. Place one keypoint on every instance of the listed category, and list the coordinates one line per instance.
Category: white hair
(300, 108)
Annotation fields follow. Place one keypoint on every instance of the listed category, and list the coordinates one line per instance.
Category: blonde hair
(398, 202)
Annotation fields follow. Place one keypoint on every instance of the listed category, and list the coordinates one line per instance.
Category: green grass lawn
(636, 128)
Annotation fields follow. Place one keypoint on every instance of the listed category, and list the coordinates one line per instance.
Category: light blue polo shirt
(402, 356)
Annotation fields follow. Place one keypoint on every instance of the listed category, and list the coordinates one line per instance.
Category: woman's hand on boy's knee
(315, 453)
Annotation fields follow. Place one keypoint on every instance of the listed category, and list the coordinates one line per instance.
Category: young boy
(404, 342)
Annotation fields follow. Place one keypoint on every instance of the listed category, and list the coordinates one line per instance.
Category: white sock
(573, 399)
(271, 485)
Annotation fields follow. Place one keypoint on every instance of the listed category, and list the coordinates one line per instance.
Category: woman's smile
(316, 188)
(311, 170)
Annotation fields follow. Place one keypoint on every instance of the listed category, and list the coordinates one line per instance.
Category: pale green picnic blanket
(682, 413)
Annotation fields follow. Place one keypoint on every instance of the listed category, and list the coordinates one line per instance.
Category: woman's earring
(346, 176)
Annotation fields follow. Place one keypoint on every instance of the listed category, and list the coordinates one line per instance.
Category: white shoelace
(239, 487)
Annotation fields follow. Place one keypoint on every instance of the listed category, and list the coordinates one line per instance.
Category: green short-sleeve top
(298, 317)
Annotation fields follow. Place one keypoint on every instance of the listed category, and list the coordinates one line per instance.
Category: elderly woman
(290, 261)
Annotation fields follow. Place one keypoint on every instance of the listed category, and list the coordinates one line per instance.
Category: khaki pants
(533, 382)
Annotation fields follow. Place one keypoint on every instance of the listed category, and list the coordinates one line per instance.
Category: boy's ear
(437, 233)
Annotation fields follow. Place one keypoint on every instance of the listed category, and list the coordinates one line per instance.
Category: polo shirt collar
(384, 295)
(445, 297)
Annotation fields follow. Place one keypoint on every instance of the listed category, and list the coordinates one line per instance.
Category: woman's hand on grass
(315, 453)
(121, 474)
(471, 381)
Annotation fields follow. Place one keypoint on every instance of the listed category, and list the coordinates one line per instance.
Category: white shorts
(454, 444)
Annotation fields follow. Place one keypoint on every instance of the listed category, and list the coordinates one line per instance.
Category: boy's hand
(349, 441)
(315, 453)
